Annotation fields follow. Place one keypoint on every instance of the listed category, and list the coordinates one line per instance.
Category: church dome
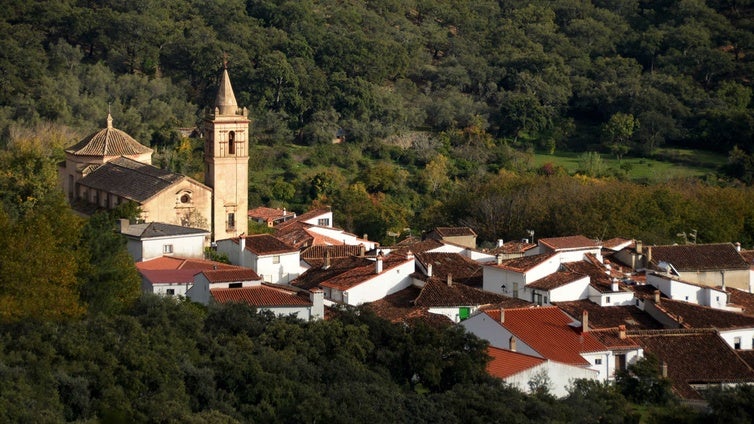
(109, 141)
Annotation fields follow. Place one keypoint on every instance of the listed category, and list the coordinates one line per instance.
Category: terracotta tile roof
(747, 356)
(161, 229)
(697, 316)
(167, 276)
(359, 275)
(231, 275)
(266, 244)
(305, 216)
(555, 280)
(454, 231)
(108, 141)
(610, 316)
(313, 277)
(505, 363)
(618, 243)
(130, 179)
(741, 298)
(598, 277)
(261, 296)
(524, 263)
(513, 247)
(335, 251)
(611, 338)
(687, 354)
(569, 242)
(399, 308)
(699, 257)
(417, 246)
(436, 293)
(295, 234)
(171, 262)
(269, 214)
(548, 331)
(507, 303)
(461, 268)
(748, 256)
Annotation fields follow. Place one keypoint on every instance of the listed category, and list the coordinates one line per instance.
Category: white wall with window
(739, 338)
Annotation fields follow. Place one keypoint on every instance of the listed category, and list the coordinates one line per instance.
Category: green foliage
(643, 383)
(731, 405)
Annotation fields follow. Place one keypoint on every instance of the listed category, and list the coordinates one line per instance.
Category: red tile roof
(610, 316)
(260, 296)
(313, 277)
(513, 247)
(417, 246)
(266, 244)
(555, 280)
(699, 257)
(524, 263)
(269, 214)
(618, 243)
(697, 316)
(168, 276)
(359, 275)
(170, 262)
(569, 242)
(461, 268)
(454, 231)
(741, 298)
(694, 356)
(437, 293)
(547, 330)
(506, 363)
(231, 275)
(305, 216)
(399, 308)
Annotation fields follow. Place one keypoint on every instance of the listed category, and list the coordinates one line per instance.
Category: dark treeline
(169, 361)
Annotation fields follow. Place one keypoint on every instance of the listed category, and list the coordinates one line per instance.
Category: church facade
(109, 167)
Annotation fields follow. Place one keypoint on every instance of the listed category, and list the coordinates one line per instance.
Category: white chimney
(378, 264)
(512, 344)
(499, 242)
(317, 296)
(738, 246)
(326, 265)
(614, 286)
(584, 321)
(429, 270)
(450, 280)
(502, 315)
(241, 250)
(499, 259)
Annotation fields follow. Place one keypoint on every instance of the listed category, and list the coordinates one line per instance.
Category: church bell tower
(226, 158)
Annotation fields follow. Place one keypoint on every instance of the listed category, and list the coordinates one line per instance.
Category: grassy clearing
(669, 164)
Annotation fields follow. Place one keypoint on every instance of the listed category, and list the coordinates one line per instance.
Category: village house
(461, 236)
(281, 301)
(274, 260)
(155, 239)
(228, 278)
(173, 276)
(270, 216)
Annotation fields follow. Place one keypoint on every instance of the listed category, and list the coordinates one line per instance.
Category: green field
(667, 164)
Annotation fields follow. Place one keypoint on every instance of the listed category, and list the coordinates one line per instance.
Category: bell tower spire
(226, 159)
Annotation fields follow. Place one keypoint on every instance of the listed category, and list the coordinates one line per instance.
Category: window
(276, 259)
(186, 198)
(232, 143)
(598, 361)
(620, 362)
(170, 292)
(607, 299)
(463, 313)
(736, 343)
(231, 221)
(167, 248)
(324, 222)
(235, 285)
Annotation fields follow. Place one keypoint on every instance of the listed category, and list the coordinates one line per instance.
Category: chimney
(502, 315)
(639, 246)
(450, 280)
(362, 250)
(366, 236)
(584, 321)
(499, 258)
(378, 264)
(317, 296)
(649, 254)
(664, 369)
(500, 243)
(326, 265)
(657, 297)
(738, 246)
(622, 332)
(124, 224)
(512, 344)
(409, 255)
(241, 250)
(614, 286)
(429, 270)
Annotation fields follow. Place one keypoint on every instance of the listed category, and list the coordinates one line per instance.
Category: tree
(617, 133)
(641, 382)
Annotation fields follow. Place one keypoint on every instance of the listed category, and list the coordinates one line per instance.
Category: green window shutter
(463, 313)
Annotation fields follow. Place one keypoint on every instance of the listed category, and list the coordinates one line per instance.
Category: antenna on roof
(531, 235)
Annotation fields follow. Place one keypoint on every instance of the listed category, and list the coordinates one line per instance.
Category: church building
(109, 167)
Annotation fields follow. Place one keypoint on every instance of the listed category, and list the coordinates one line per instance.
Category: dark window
(620, 362)
(186, 198)
(232, 143)
(736, 343)
(235, 285)
(231, 221)
(167, 248)
(598, 361)
(325, 222)
(170, 292)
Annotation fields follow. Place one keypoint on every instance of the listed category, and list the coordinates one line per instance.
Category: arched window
(231, 143)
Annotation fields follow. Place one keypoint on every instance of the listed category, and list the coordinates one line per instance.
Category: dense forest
(437, 101)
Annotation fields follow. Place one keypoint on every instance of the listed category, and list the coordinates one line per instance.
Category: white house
(560, 286)
(279, 300)
(211, 279)
(570, 248)
(368, 283)
(519, 370)
(167, 282)
(274, 260)
(155, 239)
(508, 277)
(676, 289)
